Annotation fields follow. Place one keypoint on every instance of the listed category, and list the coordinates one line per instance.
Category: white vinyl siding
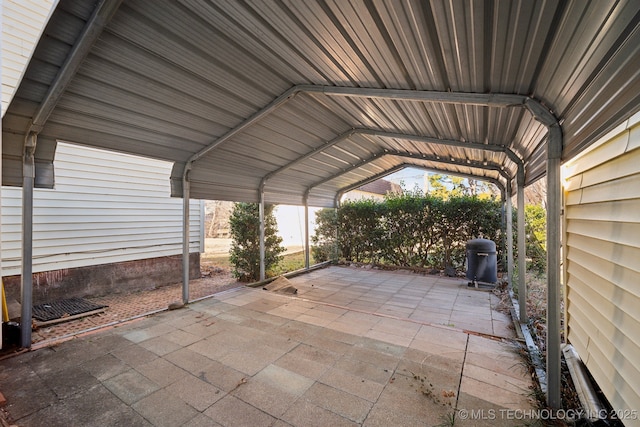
(106, 207)
(602, 207)
(22, 24)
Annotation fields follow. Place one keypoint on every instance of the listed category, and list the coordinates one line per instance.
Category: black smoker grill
(482, 262)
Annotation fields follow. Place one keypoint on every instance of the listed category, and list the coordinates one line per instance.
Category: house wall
(602, 244)
(108, 225)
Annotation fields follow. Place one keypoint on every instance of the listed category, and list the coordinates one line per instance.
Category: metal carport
(293, 102)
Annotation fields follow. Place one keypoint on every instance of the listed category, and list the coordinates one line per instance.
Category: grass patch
(217, 260)
(290, 262)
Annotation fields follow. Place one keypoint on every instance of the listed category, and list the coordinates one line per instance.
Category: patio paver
(249, 357)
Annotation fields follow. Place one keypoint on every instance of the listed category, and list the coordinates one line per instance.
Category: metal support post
(186, 190)
(503, 228)
(554, 214)
(509, 232)
(338, 203)
(306, 231)
(262, 247)
(522, 249)
(26, 280)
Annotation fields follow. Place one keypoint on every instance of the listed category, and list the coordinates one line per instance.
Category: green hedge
(407, 230)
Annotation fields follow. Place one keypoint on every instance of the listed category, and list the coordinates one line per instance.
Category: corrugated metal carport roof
(277, 93)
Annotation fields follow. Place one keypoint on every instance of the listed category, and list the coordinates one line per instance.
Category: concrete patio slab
(249, 357)
(402, 294)
(130, 386)
(162, 408)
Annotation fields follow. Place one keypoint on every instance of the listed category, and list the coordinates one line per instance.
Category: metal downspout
(26, 280)
(306, 231)
(186, 190)
(262, 232)
(522, 249)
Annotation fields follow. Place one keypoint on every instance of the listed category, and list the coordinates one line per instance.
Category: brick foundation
(105, 279)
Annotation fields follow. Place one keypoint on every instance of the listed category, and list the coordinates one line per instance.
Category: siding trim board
(602, 249)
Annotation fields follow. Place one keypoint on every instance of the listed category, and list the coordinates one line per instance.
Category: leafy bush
(410, 229)
(359, 232)
(536, 230)
(464, 218)
(245, 246)
(536, 237)
(325, 244)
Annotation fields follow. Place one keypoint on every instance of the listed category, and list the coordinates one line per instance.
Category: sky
(291, 223)
(409, 178)
(291, 218)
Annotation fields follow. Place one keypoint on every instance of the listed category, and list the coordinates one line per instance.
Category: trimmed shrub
(245, 246)
(359, 231)
(465, 218)
(325, 244)
(410, 230)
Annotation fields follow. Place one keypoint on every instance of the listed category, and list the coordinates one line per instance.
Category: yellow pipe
(5, 310)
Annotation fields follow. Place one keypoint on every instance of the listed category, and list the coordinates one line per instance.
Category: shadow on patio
(354, 347)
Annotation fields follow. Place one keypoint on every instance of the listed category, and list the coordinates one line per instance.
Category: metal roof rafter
(494, 181)
(367, 180)
(429, 158)
(308, 155)
(448, 142)
(384, 134)
(340, 193)
(460, 98)
(100, 17)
